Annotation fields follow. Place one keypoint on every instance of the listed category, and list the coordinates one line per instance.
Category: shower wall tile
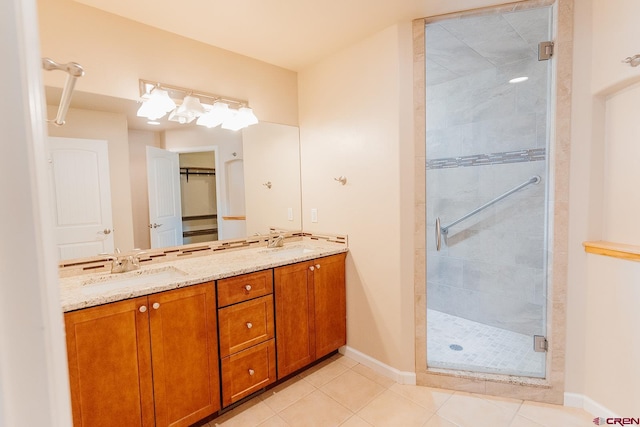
(445, 271)
(444, 142)
(481, 29)
(501, 311)
(451, 53)
(533, 26)
(436, 73)
(514, 282)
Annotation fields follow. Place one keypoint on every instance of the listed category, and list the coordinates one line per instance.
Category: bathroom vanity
(173, 343)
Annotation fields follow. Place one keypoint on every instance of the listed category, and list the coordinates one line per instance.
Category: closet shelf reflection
(197, 172)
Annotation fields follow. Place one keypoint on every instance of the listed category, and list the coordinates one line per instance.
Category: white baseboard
(581, 401)
(401, 377)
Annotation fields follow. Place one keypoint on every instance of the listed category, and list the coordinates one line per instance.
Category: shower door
(487, 141)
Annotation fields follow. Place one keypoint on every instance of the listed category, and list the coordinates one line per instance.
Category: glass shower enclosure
(487, 141)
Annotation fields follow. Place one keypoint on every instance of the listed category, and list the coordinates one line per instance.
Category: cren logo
(599, 421)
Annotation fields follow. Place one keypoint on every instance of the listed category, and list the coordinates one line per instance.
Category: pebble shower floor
(484, 348)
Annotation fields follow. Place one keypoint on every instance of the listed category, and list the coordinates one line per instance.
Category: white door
(79, 179)
(165, 212)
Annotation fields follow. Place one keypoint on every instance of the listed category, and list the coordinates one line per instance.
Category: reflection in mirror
(219, 175)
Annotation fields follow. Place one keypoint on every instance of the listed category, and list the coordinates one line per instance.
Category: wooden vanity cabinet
(109, 354)
(330, 305)
(246, 329)
(147, 361)
(310, 311)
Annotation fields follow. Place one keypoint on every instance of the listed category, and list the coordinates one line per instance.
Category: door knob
(251, 372)
(105, 231)
(249, 325)
(247, 288)
(156, 305)
(154, 225)
(143, 308)
(318, 266)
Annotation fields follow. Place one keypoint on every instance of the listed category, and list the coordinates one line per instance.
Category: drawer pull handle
(249, 325)
(318, 266)
(251, 372)
(247, 287)
(156, 305)
(143, 308)
(312, 268)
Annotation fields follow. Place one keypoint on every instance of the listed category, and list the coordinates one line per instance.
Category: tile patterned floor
(341, 392)
(484, 348)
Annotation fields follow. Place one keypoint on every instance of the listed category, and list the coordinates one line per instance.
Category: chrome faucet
(275, 241)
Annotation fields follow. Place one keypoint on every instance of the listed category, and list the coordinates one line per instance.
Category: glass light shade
(157, 105)
(247, 116)
(242, 118)
(150, 110)
(217, 115)
(187, 111)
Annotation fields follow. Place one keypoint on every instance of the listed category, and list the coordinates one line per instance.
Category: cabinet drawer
(248, 371)
(246, 324)
(245, 287)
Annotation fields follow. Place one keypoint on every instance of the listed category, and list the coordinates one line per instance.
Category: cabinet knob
(249, 325)
(143, 308)
(247, 288)
(318, 266)
(312, 268)
(156, 305)
(251, 372)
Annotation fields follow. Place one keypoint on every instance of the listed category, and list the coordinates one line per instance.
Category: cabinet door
(330, 304)
(184, 349)
(110, 365)
(248, 371)
(294, 317)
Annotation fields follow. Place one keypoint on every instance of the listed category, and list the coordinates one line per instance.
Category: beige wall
(603, 331)
(353, 122)
(111, 127)
(616, 30)
(613, 334)
(138, 142)
(271, 154)
(116, 52)
(612, 338)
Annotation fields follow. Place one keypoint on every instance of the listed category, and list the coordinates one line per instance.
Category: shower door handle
(438, 234)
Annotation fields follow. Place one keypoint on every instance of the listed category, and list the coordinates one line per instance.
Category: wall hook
(341, 179)
(267, 184)
(634, 60)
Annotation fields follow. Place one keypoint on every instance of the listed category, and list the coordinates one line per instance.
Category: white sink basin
(289, 252)
(113, 282)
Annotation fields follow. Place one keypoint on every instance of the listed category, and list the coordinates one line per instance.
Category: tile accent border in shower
(531, 155)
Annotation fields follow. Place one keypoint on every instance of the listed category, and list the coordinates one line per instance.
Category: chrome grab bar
(440, 230)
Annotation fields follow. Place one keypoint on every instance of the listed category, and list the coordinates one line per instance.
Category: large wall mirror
(228, 184)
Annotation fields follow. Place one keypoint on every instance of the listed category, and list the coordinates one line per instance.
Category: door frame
(216, 158)
(551, 388)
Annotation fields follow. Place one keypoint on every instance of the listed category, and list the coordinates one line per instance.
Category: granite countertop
(94, 289)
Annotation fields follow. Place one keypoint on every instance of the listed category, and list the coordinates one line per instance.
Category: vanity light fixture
(210, 110)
